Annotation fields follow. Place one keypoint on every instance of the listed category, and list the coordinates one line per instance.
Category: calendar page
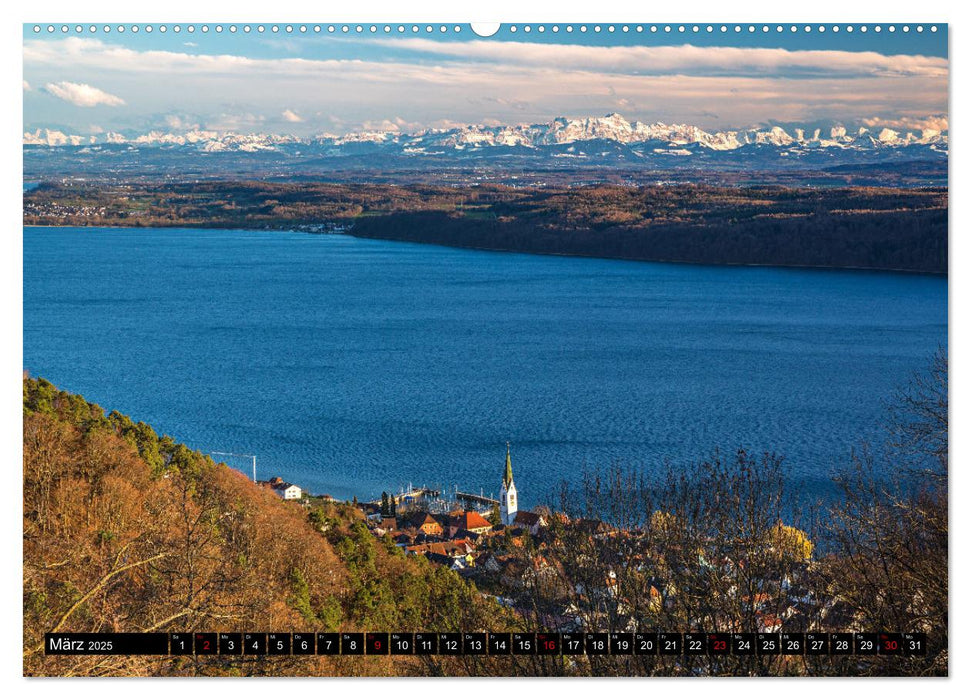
(438, 349)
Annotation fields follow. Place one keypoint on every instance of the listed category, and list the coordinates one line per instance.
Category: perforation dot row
(443, 29)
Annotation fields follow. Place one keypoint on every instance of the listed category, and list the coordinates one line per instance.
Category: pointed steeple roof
(507, 475)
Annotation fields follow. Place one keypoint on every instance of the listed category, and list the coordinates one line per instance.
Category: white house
(532, 522)
(288, 492)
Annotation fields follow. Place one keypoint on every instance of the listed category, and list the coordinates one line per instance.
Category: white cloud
(26, 86)
(393, 124)
(178, 122)
(937, 122)
(233, 121)
(82, 94)
(718, 60)
(290, 116)
(477, 56)
(509, 82)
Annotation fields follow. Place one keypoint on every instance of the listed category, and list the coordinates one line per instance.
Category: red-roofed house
(469, 521)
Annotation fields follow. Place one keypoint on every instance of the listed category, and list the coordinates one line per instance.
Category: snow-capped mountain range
(670, 139)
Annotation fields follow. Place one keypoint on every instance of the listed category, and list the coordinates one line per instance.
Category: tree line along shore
(875, 228)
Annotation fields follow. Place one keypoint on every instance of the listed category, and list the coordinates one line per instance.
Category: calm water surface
(354, 366)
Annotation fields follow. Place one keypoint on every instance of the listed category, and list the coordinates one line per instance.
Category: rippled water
(353, 366)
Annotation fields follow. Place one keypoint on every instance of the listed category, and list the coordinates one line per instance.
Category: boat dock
(474, 499)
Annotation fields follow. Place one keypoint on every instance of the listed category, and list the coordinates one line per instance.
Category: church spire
(507, 494)
(507, 475)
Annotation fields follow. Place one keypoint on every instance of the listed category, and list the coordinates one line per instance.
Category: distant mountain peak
(562, 142)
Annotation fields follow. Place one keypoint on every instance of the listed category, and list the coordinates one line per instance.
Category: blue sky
(309, 83)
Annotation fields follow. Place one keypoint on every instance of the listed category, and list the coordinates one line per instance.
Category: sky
(90, 83)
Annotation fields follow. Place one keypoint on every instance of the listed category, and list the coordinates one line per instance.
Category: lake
(352, 366)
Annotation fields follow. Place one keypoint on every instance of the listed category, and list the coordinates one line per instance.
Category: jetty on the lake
(475, 499)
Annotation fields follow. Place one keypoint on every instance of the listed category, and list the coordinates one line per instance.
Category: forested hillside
(849, 227)
(127, 532)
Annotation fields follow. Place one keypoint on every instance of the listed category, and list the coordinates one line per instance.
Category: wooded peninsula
(876, 228)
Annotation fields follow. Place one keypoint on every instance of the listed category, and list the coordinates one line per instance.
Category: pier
(475, 499)
(410, 495)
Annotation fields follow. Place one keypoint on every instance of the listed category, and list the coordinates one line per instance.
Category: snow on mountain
(558, 132)
(366, 137)
(52, 137)
(889, 136)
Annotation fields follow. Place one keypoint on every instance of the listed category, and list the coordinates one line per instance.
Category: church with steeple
(507, 494)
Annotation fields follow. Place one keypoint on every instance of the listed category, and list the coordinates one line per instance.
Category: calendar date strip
(487, 643)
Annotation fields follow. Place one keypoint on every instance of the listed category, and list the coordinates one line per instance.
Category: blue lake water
(354, 366)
